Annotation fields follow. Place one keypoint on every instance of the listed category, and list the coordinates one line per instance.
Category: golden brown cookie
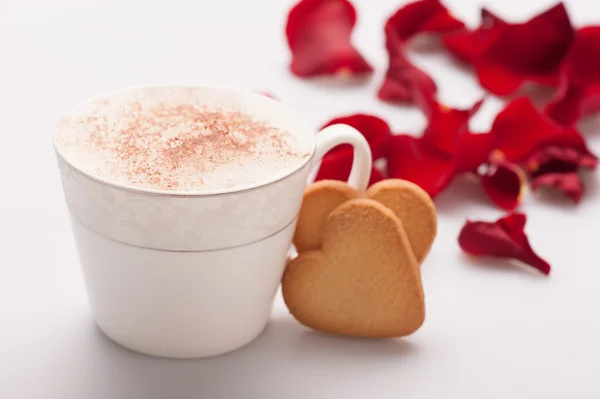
(409, 202)
(320, 199)
(363, 282)
(414, 208)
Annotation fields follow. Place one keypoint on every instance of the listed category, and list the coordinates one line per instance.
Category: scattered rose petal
(473, 151)
(403, 81)
(566, 182)
(557, 167)
(337, 166)
(528, 137)
(584, 58)
(504, 238)
(571, 103)
(579, 92)
(410, 158)
(445, 125)
(527, 52)
(520, 129)
(374, 129)
(422, 16)
(553, 158)
(468, 45)
(591, 101)
(445, 148)
(504, 182)
(376, 176)
(318, 33)
(565, 107)
(447, 132)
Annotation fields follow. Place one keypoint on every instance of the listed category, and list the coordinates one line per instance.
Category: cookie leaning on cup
(357, 272)
(411, 204)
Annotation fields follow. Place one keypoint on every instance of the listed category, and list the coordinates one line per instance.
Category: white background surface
(491, 332)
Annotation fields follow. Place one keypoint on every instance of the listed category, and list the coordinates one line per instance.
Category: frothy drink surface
(169, 139)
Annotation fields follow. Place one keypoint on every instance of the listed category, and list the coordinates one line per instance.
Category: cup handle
(334, 135)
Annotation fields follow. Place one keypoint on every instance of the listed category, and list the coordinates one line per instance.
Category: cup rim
(191, 193)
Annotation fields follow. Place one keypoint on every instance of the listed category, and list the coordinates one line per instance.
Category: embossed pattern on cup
(182, 223)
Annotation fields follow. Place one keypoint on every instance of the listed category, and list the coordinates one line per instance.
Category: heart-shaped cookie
(364, 281)
(409, 202)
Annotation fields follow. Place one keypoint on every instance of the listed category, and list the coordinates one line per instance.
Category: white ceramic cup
(184, 274)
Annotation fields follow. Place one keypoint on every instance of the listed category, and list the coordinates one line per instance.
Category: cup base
(168, 353)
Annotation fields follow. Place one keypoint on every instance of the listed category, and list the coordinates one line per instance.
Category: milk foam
(177, 139)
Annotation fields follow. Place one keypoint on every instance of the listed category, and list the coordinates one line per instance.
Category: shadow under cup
(179, 274)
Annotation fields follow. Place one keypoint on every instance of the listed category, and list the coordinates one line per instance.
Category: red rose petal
(473, 151)
(318, 33)
(374, 129)
(403, 81)
(570, 103)
(520, 129)
(447, 132)
(411, 159)
(446, 125)
(579, 92)
(376, 176)
(565, 107)
(504, 183)
(422, 16)
(553, 158)
(591, 101)
(468, 45)
(530, 51)
(557, 167)
(504, 238)
(568, 183)
(337, 166)
(446, 148)
(584, 58)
